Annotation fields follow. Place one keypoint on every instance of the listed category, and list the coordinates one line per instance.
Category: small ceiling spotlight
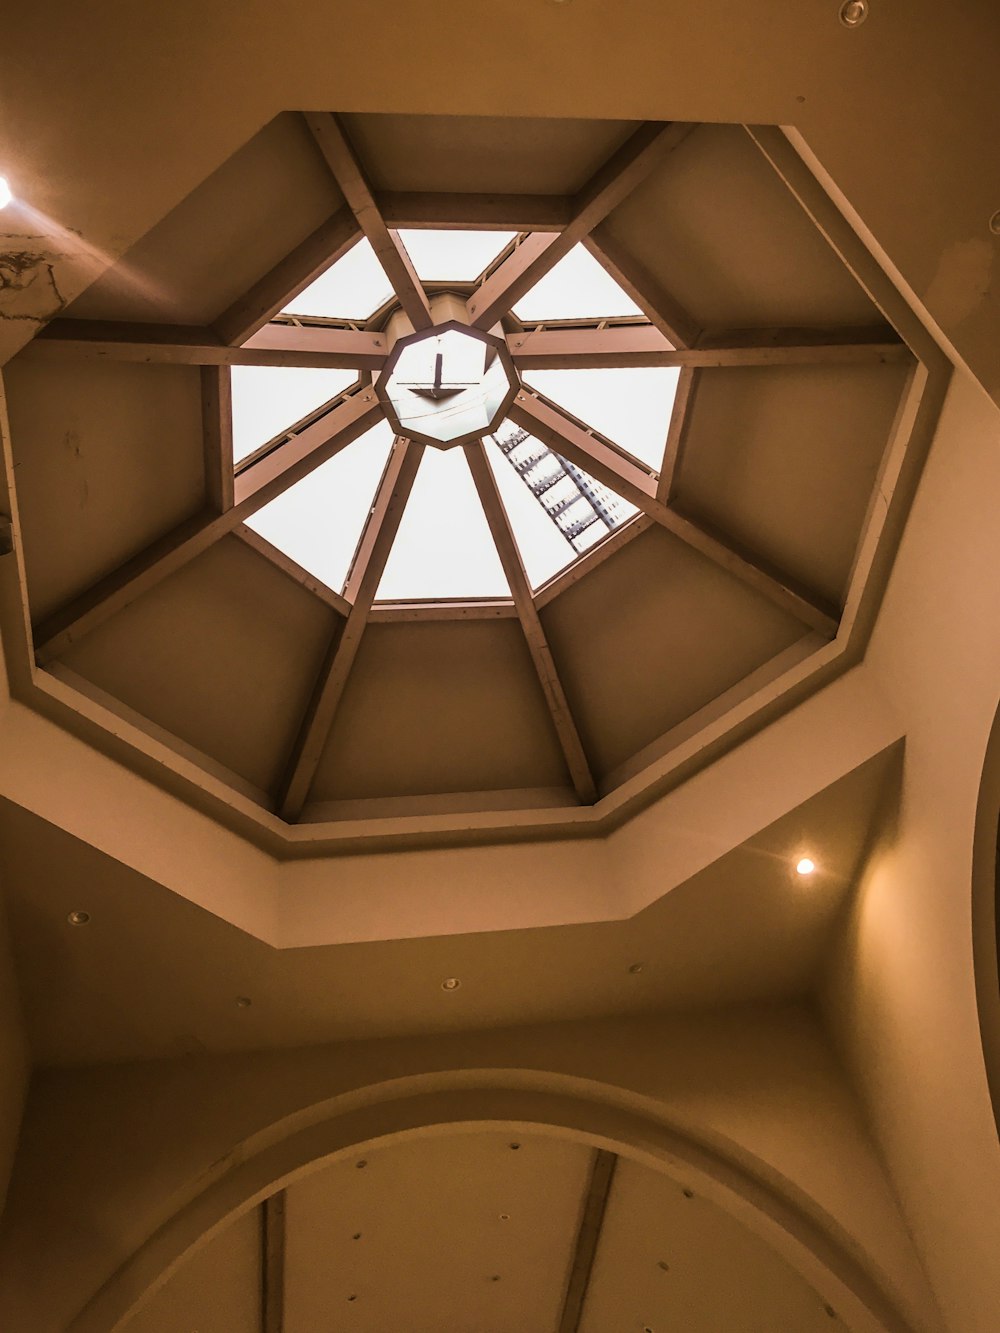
(450, 983)
(995, 223)
(243, 1002)
(805, 866)
(634, 969)
(6, 193)
(853, 13)
(78, 918)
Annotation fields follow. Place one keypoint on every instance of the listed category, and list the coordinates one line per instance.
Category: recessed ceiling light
(450, 983)
(78, 918)
(995, 223)
(6, 193)
(243, 1002)
(853, 13)
(634, 969)
(806, 866)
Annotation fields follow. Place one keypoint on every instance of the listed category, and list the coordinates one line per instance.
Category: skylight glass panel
(459, 256)
(631, 407)
(556, 511)
(575, 288)
(318, 521)
(352, 288)
(444, 547)
(268, 400)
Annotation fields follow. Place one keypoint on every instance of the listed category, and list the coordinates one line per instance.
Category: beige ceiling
(153, 975)
(479, 1233)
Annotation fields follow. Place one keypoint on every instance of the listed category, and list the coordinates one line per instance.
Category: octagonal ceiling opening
(449, 385)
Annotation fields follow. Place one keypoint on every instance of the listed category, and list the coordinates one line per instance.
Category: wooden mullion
(587, 1240)
(665, 311)
(349, 175)
(362, 584)
(541, 655)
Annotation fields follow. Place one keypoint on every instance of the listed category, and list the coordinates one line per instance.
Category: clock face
(447, 386)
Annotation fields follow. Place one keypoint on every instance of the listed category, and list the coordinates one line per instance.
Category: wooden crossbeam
(361, 587)
(631, 345)
(217, 433)
(349, 175)
(541, 655)
(291, 275)
(475, 212)
(537, 253)
(633, 482)
(588, 1237)
(274, 473)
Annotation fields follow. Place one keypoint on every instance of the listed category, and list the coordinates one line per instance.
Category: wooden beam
(282, 344)
(255, 487)
(624, 345)
(587, 1239)
(541, 655)
(349, 175)
(680, 416)
(291, 275)
(217, 434)
(394, 613)
(250, 537)
(633, 482)
(273, 1264)
(649, 294)
(362, 584)
(475, 212)
(538, 253)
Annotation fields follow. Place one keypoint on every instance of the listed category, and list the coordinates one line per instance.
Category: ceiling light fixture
(243, 1002)
(450, 983)
(78, 918)
(634, 969)
(6, 193)
(853, 13)
(995, 223)
(806, 866)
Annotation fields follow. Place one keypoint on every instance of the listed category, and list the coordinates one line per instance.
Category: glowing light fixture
(6, 193)
(806, 866)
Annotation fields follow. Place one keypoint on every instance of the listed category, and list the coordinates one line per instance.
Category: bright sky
(443, 548)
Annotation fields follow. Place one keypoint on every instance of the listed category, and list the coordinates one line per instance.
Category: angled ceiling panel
(439, 707)
(109, 456)
(716, 227)
(480, 154)
(653, 634)
(223, 654)
(251, 212)
(784, 460)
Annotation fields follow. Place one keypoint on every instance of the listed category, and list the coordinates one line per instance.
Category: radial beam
(362, 585)
(634, 483)
(538, 647)
(609, 345)
(587, 1239)
(537, 253)
(291, 275)
(288, 463)
(680, 416)
(349, 175)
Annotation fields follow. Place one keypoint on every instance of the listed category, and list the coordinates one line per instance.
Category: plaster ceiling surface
(489, 1232)
(739, 538)
(168, 979)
